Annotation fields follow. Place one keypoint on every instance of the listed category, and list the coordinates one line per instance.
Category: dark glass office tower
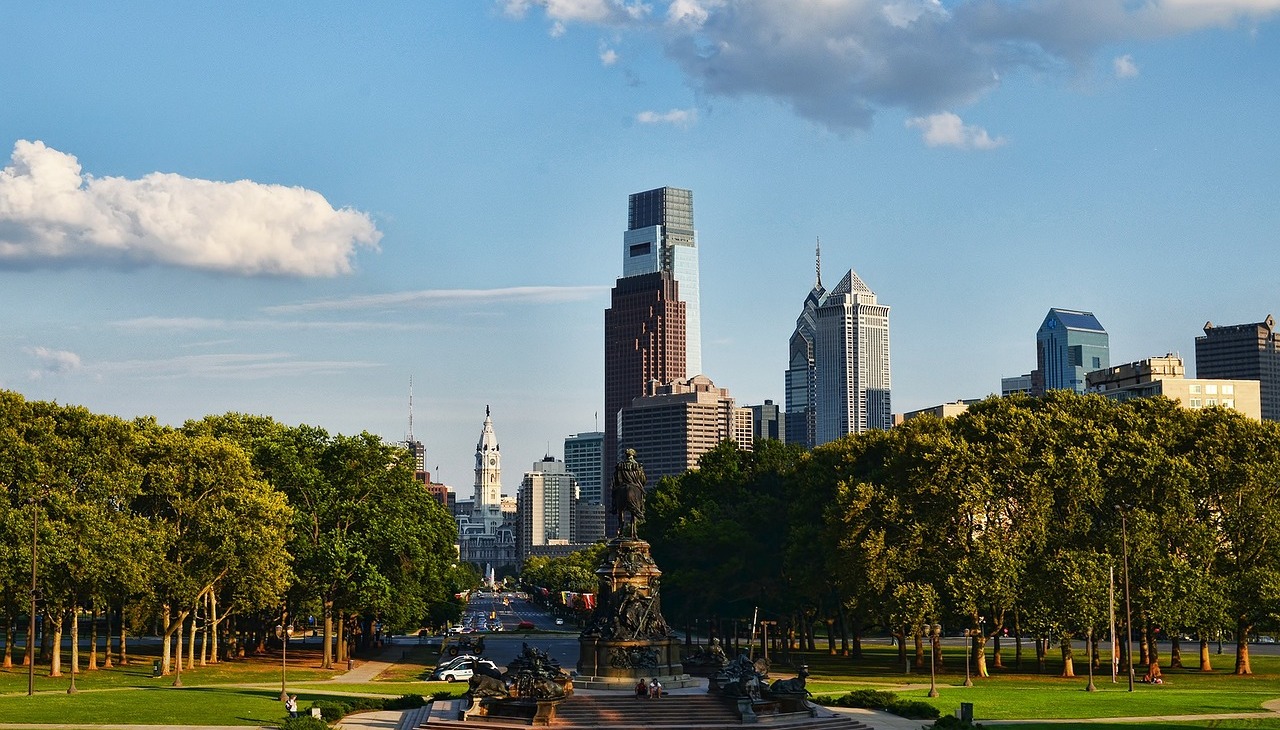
(1244, 352)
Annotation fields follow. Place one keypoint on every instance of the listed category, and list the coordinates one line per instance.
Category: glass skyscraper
(851, 361)
(660, 237)
(1069, 345)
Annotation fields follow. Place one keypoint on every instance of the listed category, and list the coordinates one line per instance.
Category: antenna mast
(409, 437)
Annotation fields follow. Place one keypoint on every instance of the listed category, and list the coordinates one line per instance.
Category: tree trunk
(177, 643)
(1017, 640)
(1242, 648)
(191, 643)
(980, 655)
(46, 637)
(9, 635)
(902, 651)
(213, 637)
(55, 658)
(75, 639)
(1144, 648)
(93, 639)
(326, 654)
(106, 626)
(919, 640)
(124, 640)
(341, 643)
(856, 649)
(1175, 652)
(831, 636)
(996, 663)
(1040, 652)
(1153, 647)
(166, 643)
(1068, 661)
(1206, 664)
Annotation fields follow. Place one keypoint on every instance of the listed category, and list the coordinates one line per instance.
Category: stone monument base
(628, 660)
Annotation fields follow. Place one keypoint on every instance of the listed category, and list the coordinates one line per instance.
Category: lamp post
(934, 632)
(283, 633)
(31, 628)
(968, 650)
(1088, 659)
(1128, 613)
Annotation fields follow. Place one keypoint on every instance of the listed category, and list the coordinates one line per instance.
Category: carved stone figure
(793, 686)
(628, 494)
(482, 685)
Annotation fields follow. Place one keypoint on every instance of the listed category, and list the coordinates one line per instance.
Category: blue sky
(293, 208)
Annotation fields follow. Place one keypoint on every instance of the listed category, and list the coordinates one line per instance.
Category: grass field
(246, 691)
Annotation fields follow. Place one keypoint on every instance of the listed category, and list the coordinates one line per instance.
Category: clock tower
(488, 495)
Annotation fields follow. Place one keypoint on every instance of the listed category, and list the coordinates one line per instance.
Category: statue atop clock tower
(488, 485)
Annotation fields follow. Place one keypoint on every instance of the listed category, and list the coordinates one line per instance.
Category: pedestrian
(291, 705)
(642, 689)
(655, 689)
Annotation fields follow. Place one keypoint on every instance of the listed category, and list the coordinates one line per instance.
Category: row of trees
(1009, 516)
(230, 517)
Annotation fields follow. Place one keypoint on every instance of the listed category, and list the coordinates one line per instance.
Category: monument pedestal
(627, 638)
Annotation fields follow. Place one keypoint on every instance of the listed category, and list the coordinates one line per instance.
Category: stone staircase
(627, 712)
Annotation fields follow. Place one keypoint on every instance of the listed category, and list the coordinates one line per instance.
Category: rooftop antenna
(597, 428)
(817, 255)
(409, 437)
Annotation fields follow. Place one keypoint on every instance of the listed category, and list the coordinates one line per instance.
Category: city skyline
(293, 210)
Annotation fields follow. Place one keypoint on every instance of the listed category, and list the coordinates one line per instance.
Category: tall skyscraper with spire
(660, 237)
(415, 446)
(851, 361)
(801, 398)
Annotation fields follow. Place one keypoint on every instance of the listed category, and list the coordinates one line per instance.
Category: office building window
(1211, 389)
(1196, 389)
(1228, 389)
(1195, 402)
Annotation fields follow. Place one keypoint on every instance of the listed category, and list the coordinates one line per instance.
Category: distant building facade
(1244, 352)
(800, 400)
(547, 505)
(644, 340)
(1164, 376)
(945, 410)
(1016, 384)
(660, 237)
(851, 361)
(1069, 345)
(584, 458)
(768, 421)
(486, 534)
(676, 423)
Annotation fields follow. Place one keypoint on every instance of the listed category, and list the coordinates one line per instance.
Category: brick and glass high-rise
(644, 340)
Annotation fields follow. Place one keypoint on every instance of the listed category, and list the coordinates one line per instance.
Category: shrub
(304, 722)
(332, 711)
(951, 722)
(869, 698)
(359, 704)
(913, 709)
(404, 702)
(443, 694)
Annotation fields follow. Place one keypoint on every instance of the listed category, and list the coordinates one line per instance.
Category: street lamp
(1128, 613)
(968, 650)
(1088, 659)
(31, 628)
(283, 633)
(934, 632)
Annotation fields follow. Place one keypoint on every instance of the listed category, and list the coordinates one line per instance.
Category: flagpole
(1111, 601)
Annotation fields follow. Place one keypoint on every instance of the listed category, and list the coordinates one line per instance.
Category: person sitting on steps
(642, 689)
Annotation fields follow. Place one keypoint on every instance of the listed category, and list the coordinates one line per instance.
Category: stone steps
(626, 712)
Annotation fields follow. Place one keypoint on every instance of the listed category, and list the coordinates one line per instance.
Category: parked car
(559, 622)
(525, 625)
(460, 672)
(452, 662)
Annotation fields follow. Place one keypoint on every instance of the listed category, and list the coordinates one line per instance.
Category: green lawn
(1260, 724)
(194, 705)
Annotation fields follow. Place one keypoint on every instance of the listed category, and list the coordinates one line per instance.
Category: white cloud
(53, 362)
(231, 366)
(677, 117)
(51, 213)
(580, 11)
(445, 297)
(608, 56)
(947, 129)
(1124, 67)
(188, 324)
(837, 61)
